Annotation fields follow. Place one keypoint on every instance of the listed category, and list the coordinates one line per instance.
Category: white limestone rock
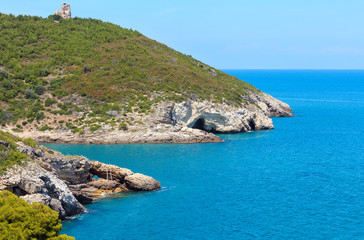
(33, 180)
(141, 182)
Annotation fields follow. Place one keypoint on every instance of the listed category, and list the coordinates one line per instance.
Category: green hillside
(43, 62)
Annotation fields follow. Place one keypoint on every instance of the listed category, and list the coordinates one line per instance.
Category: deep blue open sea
(302, 180)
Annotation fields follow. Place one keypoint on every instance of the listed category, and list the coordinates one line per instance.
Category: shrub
(77, 130)
(39, 116)
(6, 84)
(10, 157)
(39, 89)
(48, 102)
(123, 126)
(30, 94)
(21, 220)
(94, 127)
(55, 17)
(86, 69)
(60, 93)
(3, 75)
(5, 117)
(45, 128)
(30, 142)
(43, 72)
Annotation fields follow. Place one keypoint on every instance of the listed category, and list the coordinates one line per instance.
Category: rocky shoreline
(171, 122)
(65, 183)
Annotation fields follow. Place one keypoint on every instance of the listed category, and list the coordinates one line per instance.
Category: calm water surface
(302, 180)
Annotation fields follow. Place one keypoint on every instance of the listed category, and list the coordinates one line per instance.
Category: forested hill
(44, 61)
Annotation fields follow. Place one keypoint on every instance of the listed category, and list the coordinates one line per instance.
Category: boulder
(113, 172)
(82, 198)
(141, 182)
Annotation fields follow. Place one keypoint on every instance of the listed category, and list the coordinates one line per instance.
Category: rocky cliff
(178, 122)
(64, 183)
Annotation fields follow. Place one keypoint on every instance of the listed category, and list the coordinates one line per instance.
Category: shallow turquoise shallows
(302, 180)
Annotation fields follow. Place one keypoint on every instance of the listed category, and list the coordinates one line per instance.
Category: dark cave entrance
(18, 191)
(199, 124)
(252, 124)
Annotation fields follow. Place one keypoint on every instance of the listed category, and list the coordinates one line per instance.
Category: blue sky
(265, 34)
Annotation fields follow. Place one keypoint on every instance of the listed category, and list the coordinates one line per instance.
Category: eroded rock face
(212, 117)
(222, 118)
(39, 185)
(270, 106)
(65, 182)
(71, 169)
(141, 182)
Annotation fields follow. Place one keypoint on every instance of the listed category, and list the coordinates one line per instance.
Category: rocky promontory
(114, 85)
(175, 122)
(65, 183)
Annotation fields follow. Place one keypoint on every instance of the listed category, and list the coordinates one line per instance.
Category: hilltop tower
(65, 12)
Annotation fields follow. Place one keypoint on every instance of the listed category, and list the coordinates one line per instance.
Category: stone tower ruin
(65, 12)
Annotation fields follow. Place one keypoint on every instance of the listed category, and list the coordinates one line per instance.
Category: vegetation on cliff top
(103, 66)
(9, 154)
(21, 220)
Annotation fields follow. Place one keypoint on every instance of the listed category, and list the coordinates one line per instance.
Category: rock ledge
(64, 183)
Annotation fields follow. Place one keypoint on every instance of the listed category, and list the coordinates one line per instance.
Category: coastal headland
(64, 183)
(86, 81)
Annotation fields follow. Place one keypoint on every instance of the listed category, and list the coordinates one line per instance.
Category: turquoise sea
(302, 180)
